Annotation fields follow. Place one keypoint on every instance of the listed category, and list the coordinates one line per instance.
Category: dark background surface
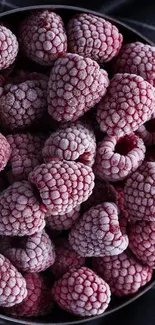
(139, 14)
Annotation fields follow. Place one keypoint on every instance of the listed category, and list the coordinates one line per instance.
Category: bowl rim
(148, 41)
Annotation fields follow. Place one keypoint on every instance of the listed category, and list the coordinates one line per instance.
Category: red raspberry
(66, 259)
(12, 284)
(117, 158)
(128, 104)
(142, 241)
(93, 37)
(63, 221)
(32, 254)
(75, 141)
(147, 132)
(5, 152)
(38, 301)
(137, 58)
(62, 185)
(21, 213)
(22, 104)
(42, 37)
(9, 47)
(97, 232)
(82, 292)
(75, 85)
(25, 153)
(124, 273)
(139, 193)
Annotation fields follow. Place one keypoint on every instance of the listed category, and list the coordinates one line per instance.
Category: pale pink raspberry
(82, 292)
(12, 284)
(147, 132)
(139, 193)
(63, 221)
(66, 259)
(128, 104)
(124, 273)
(116, 158)
(42, 37)
(20, 212)
(39, 299)
(75, 141)
(63, 185)
(9, 47)
(93, 37)
(97, 232)
(5, 152)
(75, 85)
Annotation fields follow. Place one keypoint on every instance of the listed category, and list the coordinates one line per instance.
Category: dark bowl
(12, 18)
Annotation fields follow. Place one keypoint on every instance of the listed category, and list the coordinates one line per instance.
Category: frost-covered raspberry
(5, 151)
(39, 299)
(124, 273)
(42, 37)
(128, 104)
(75, 141)
(31, 254)
(93, 37)
(137, 58)
(116, 158)
(63, 185)
(82, 292)
(25, 153)
(97, 232)
(22, 104)
(75, 85)
(63, 221)
(66, 259)
(9, 47)
(147, 132)
(21, 214)
(12, 284)
(139, 193)
(120, 203)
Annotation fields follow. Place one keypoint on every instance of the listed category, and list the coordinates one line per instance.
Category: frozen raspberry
(82, 292)
(75, 85)
(128, 104)
(31, 254)
(117, 158)
(42, 37)
(75, 141)
(147, 132)
(22, 104)
(38, 301)
(121, 204)
(5, 151)
(139, 193)
(21, 214)
(124, 273)
(62, 185)
(25, 153)
(12, 284)
(97, 232)
(9, 47)
(137, 58)
(102, 192)
(66, 259)
(93, 37)
(63, 221)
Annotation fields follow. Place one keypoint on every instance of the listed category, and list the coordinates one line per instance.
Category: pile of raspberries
(77, 162)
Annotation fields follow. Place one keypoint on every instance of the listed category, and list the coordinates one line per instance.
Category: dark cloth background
(139, 14)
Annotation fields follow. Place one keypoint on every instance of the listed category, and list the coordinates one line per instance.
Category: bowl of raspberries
(77, 165)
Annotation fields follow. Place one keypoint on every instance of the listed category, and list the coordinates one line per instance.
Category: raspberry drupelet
(63, 221)
(147, 132)
(62, 185)
(20, 212)
(9, 47)
(75, 141)
(129, 103)
(75, 85)
(5, 151)
(124, 273)
(97, 232)
(116, 158)
(42, 37)
(81, 292)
